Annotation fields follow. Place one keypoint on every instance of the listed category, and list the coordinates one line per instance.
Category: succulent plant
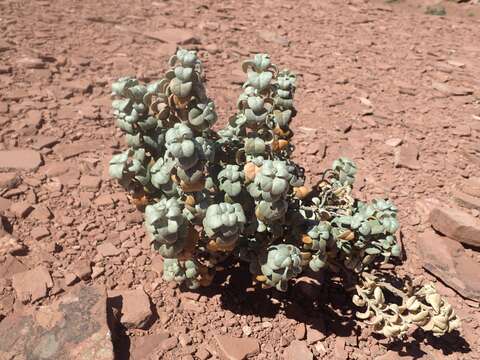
(131, 108)
(316, 241)
(231, 180)
(223, 224)
(161, 176)
(130, 168)
(167, 226)
(281, 263)
(272, 181)
(345, 170)
(182, 272)
(237, 194)
(181, 146)
(367, 233)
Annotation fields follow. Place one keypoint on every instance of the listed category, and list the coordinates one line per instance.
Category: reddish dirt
(370, 72)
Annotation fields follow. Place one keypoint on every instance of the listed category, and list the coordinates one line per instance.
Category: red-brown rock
(472, 187)
(107, 249)
(389, 355)
(146, 345)
(339, 351)
(406, 156)
(9, 180)
(297, 350)
(466, 200)
(273, 37)
(9, 244)
(83, 269)
(234, 348)
(32, 285)
(42, 141)
(31, 63)
(447, 260)
(10, 267)
(74, 327)
(39, 232)
(456, 224)
(169, 344)
(67, 151)
(41, 213)
(90, 183)
(300, 331)
(20, 159)
(134, 306)
(314, 335)
(4, 204)
(174, 35)
(157, 265)
(21, 209)
(451, 90)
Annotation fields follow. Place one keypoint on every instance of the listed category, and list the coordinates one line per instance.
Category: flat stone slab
(74, 327)
(237, 348)
(20, 159)
(446, 259)
(297, 350)
(456, 224)
(32, 285)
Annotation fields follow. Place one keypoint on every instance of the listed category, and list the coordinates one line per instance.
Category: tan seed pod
(282, 133)
(279, 145)
(180, 103)
(282, 144)
(455, 324)
(214, 246)
(306, 239)
(306, 256)
(141, 201)
(427, 325)
(190, 200)
(348, 235)
(301, 192)
(193, 187)
(448, 310)
(394, 307)
(261, 278)
(250, 170)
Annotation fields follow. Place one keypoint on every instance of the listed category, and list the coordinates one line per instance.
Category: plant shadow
(448, 344)
(324, 305)
(329, 312)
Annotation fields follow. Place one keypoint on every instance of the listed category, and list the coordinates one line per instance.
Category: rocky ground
(386, 83)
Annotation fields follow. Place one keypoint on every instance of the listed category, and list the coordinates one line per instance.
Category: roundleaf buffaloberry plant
(209, 196)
